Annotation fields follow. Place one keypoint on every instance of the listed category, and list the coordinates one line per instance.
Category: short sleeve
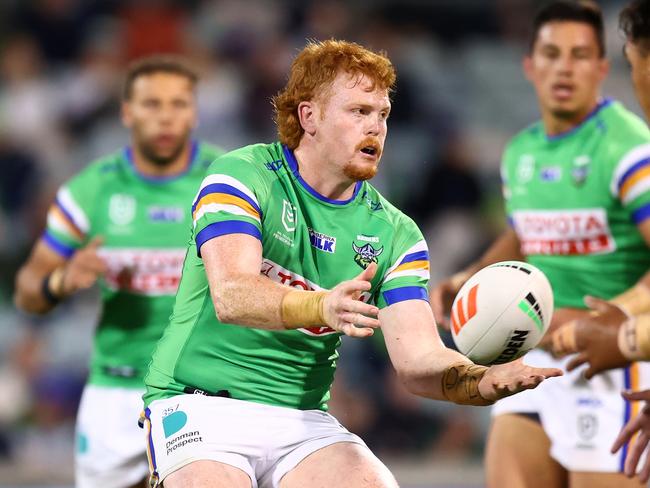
(68, 222)
(631, 182)
(407, 278)
(228, 201)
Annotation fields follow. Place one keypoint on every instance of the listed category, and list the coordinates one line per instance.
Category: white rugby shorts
(581, 418)
(264, 441)
(110, 447)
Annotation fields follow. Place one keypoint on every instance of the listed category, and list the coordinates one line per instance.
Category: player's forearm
(634, 338)
(635, 300)
(423, 376)
(256, 301)
(506, 248)
(252, 301)
(28, 294)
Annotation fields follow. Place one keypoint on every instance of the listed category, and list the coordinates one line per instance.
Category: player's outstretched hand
(442, 297)
(343, 309)
(83, 268)
(503, 380)
(641, 425)
(594, 338)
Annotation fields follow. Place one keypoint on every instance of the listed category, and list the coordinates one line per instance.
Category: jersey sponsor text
(564, 232)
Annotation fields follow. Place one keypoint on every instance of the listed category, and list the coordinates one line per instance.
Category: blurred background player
(125, 221)
(618, 332)
(578, 207)
(290, 241)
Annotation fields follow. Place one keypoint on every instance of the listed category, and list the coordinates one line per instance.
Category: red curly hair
(316, 67)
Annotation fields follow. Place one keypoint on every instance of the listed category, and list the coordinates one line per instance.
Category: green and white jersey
(309, 242)
(145, 224)
(575, 201)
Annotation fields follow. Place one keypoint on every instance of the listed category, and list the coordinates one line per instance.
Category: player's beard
(565, 114)
(148, 150)
(363, 171)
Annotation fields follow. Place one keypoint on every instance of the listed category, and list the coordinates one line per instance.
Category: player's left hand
(344, 312)
(503, 380)
(640, 424)
(594, 338)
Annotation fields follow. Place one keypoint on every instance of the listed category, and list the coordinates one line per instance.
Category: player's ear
(307, 117)
(127, 117)
(604, 68)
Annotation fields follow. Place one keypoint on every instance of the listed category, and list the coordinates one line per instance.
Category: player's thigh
(207, 474)
(518, 455)
(602, 480)
(344, 465)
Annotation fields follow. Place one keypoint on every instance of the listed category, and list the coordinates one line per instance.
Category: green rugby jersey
(145, 223)
(309, 242)
(575, 201)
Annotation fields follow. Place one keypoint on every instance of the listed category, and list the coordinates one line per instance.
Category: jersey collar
(194, 151)
(293, 165)
(602, 104)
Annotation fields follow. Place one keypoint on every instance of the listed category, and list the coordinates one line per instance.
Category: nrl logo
(289, 216)
(121, 209)
(366, 254)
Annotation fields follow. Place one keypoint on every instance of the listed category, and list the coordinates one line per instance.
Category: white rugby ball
(501, 312)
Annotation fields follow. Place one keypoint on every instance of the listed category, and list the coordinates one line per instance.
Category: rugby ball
(501, 312)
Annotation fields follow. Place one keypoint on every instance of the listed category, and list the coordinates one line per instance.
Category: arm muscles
(239, 292)
(416, 351)
(507, 247)
(637, 298)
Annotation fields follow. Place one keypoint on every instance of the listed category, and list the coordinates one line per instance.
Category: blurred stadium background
(460, 96)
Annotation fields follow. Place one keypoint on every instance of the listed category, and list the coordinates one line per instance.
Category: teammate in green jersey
(611, 338)
(578, 200)
(292, 247)
(125, 221)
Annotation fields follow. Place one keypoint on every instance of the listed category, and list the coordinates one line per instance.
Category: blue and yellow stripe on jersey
(67, 224)
(222, 193)
(635, 181)
(229, 197)
(59, 219)
(414, 263)
(151, 455)
(631, 180)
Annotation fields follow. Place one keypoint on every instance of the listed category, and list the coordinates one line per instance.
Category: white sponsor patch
(564, 232)
(143, 271)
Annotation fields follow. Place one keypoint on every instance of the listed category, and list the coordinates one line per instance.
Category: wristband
(634, 301)
(634, 338)
(52, 286)
(45, 291)
(564, 339)
(302, 308)
(460, 384)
